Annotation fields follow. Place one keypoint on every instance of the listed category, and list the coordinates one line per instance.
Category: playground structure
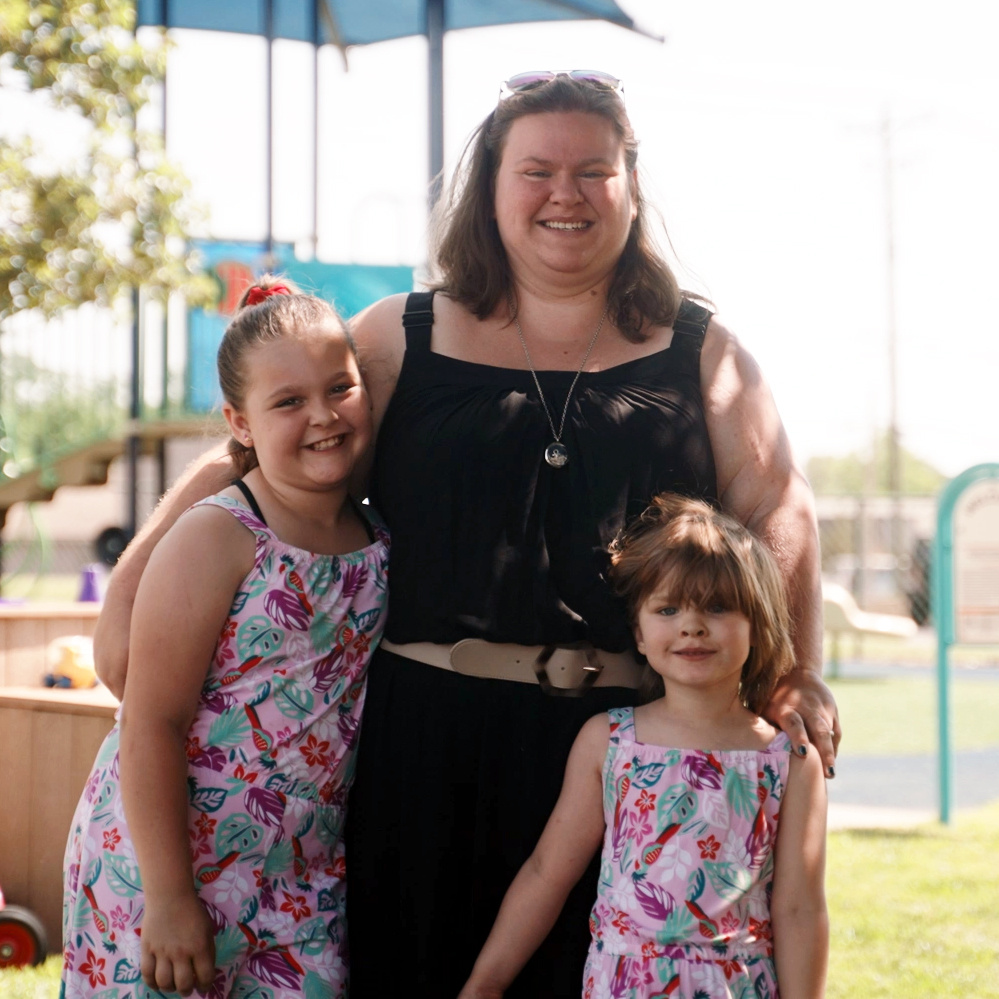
(91, 387)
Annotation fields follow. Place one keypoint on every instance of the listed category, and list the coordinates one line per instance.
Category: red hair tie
(258, 294)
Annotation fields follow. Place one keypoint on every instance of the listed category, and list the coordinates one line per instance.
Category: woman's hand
(178, 945)
(804, 707)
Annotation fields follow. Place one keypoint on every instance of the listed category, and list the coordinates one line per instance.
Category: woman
(554, 384)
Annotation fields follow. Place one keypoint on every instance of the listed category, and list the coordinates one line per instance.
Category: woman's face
(564, 200)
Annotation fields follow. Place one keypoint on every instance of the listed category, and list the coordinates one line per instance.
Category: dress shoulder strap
(249, 518)
(689, 327)
(418, 320)
(250, 498)
(622, 724)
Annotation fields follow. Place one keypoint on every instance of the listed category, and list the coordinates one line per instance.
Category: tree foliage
(117, 216)
(856, 473)
(48, 414)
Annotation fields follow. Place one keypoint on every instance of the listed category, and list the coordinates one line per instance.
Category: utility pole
(894, 446)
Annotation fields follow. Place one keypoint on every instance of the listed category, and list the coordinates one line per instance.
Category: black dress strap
(689, 327)
(418, 320)
(250, 499)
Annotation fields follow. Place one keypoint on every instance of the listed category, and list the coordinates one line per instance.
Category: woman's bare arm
(760, 484)
(206, 476)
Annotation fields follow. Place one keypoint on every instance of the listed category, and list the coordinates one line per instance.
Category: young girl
(206, 850)
(698, 898)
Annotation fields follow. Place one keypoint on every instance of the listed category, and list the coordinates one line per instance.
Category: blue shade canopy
(362, 22)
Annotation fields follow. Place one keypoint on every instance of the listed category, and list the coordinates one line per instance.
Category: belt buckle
(591, 670)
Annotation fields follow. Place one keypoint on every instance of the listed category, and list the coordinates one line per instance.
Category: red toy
(22, 936)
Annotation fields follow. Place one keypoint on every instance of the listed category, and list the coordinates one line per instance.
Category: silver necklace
(556, 454)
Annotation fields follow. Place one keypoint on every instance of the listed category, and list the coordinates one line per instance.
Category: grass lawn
(898, 716)
(44, 587)
(914, 915)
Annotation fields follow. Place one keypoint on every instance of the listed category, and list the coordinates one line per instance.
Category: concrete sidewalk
(871, 817)
(897, 792)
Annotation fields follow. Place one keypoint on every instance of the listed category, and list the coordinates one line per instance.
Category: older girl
(207, 848)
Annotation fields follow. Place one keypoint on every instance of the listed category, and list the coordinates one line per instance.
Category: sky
(768, 133)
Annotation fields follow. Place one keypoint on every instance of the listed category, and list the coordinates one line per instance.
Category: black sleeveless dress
(457, 775)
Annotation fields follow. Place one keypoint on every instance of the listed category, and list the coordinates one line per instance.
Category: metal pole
(269, 129)
(161, 450)
(135, 410)
(942, 602)
(435, 57)
(894, 450)
(315, 128)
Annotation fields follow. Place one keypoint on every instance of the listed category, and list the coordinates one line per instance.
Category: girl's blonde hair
(703, 557)
(279, 309)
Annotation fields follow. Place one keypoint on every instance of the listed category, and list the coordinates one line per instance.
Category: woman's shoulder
(721, 344)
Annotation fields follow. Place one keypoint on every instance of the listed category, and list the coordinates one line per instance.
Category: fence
(878, 547)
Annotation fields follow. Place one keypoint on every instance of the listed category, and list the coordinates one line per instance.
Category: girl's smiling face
(563, 198)
(685, 645)
(305, 410)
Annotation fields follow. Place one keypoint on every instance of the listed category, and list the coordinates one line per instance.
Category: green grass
(50, 586)
(898, 716)
(914, 913)
(919, 650)
(32, 983)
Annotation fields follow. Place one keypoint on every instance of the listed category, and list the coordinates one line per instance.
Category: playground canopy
(345, 23)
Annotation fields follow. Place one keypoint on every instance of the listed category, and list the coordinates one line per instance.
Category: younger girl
(695, 900)
(206, 850)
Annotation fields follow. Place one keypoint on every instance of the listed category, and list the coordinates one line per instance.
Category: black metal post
(435, 69)
(269, 194)
(134, 442)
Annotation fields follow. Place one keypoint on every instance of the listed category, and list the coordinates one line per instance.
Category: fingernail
(803, 750)
(831, 771)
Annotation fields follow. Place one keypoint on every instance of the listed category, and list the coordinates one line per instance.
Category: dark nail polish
(831, 771)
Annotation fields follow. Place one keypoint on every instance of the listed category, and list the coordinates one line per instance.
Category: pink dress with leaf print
(270, 760)
(683, 903)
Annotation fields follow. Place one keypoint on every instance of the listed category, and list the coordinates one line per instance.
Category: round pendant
(556, 454)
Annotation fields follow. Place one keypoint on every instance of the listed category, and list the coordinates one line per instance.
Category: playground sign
(965, 586)
(976, 564)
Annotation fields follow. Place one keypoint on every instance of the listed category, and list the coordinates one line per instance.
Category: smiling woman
(564, 200)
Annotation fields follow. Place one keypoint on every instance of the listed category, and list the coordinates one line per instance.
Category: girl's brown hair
(283, 312)
(703, 557)
(470, 261)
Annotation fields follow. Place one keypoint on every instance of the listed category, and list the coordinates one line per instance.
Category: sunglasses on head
(527, 81)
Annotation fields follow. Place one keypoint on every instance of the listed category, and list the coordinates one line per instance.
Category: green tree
(855, 473)
(49, 415)
(117, 217)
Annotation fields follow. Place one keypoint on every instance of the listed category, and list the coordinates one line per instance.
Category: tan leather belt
(562, 670)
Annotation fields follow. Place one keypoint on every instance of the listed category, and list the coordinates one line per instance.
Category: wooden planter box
(48, 742)
(26, 630)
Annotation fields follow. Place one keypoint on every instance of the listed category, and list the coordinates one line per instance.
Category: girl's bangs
(706, 580)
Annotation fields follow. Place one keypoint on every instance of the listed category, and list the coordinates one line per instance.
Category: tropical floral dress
(683, 904)
(270, 759)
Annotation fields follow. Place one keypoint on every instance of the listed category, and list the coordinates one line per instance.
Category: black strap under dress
(457, 775)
